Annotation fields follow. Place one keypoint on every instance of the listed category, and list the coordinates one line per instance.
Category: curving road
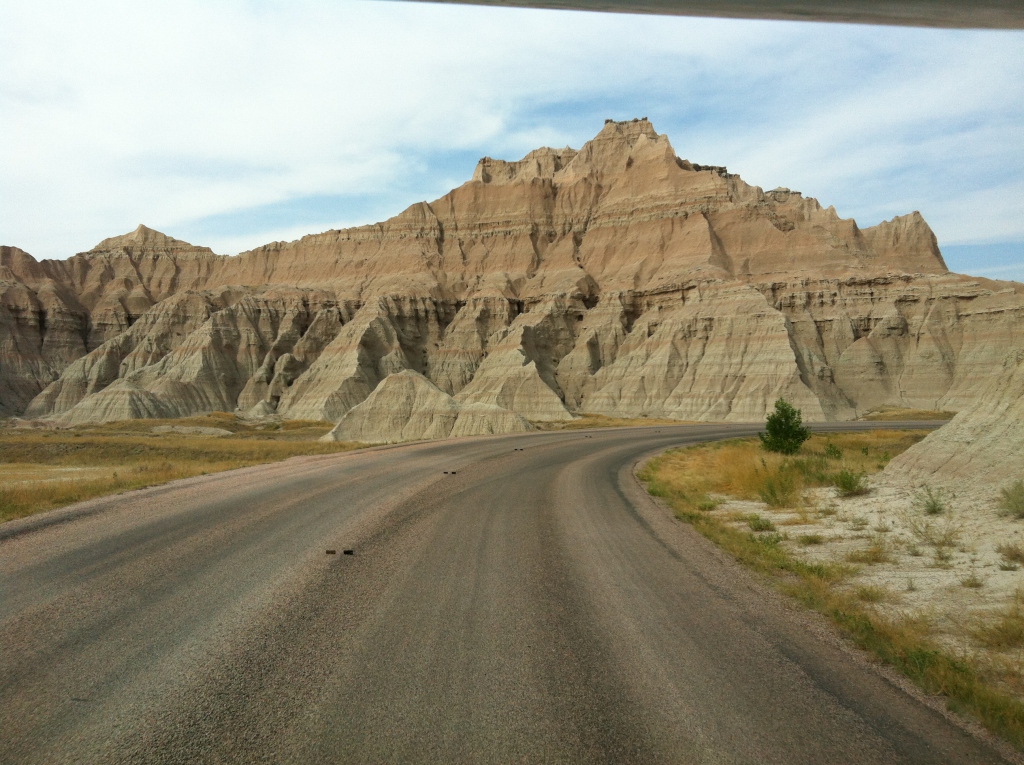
(528, 606)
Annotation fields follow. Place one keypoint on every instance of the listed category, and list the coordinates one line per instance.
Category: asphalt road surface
(526, 606)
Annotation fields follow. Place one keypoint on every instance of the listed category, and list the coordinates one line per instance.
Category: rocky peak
(607, 152)
(539, 163)
(781, 194)
(627, 130)
(619, 147)
(18, 265)
(909, 241)
(144, 239)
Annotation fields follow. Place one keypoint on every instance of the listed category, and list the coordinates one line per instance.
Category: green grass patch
(759, 523)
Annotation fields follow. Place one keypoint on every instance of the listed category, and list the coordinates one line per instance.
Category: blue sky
(232, 124)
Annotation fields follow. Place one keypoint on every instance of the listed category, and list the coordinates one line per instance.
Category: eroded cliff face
(406, 406)
(981, 450)
(617, 279)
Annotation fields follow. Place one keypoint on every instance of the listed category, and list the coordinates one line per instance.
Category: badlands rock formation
(406, 406)
(981, 450)
(617, 279)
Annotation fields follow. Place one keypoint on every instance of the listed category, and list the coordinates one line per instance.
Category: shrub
(779, 490)
(807, 540)
(1005, 631)
(1011, 500)
(942, 536)
(833, 452)
(876, 552)
(757, 523)
(931, 501)
(872, 594)
(1011, 553)
(972, 581)
(784, 431)
(850, 484)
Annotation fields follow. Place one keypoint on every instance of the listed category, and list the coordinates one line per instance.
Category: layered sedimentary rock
(43, 328)
(980, 450)
(618, 279)
(406, 406)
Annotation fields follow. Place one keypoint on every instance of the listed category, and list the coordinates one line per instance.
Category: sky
(231, 124)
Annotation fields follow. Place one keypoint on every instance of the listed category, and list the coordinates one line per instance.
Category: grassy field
(45, 469)
(700, 483)
(741, 468)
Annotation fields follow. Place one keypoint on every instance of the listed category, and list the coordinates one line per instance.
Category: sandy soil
(946, 568)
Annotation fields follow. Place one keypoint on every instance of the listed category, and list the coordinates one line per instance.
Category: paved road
(528, 607)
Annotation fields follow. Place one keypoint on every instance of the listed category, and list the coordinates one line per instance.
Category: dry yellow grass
(45, 469)
(272, 430)
(741, 468)
(1003, 630)
(989, 686)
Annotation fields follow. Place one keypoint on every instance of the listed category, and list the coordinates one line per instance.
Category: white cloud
(114, 113)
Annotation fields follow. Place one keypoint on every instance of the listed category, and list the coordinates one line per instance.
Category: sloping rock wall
(979, 451)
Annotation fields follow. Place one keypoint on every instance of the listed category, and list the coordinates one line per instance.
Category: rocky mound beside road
(618, 279)
(408, 407)
(982, 448)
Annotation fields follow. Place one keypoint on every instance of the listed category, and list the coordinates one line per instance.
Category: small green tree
(784, 431)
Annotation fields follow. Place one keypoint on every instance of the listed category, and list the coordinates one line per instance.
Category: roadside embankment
(927, 579)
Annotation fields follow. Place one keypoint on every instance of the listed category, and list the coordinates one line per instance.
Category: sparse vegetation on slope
(1011, 500)
(45, 469)
(850, 484)
(982, 677)
(931, 501)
